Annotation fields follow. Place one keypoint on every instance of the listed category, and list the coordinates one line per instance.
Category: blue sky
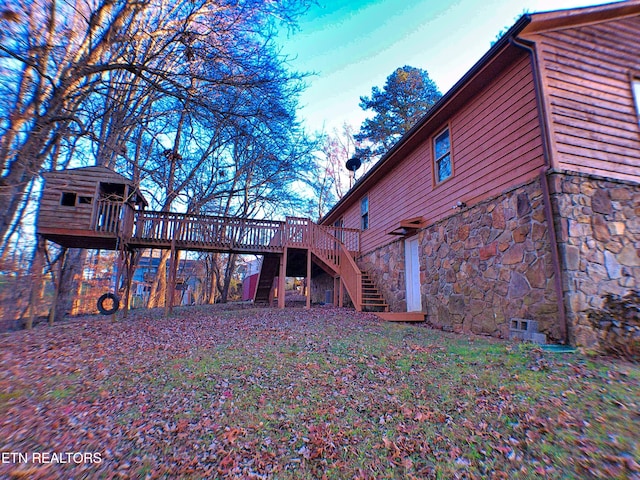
(352, 45)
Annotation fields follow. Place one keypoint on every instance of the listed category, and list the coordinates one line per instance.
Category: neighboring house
(187, 280)
(518, 195)
(250, 272)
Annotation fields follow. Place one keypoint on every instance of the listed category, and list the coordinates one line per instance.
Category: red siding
(496, 144)
(586, 78)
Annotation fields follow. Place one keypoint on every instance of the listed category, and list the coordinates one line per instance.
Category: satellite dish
(353, 164)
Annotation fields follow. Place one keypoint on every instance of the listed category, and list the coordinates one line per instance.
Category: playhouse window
(442, 156)
(68, 199)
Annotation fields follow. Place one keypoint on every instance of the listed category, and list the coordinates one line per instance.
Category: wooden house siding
(586, 78)
(496, 144)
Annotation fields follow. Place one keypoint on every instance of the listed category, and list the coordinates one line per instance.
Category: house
(517, 196)
(250, 272)
(188, 274)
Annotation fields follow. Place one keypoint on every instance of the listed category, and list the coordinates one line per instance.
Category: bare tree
(120, 83)
(56, 58)
(331, 180)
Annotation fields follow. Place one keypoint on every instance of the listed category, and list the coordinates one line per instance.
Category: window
(364, 213)
(442, 156)
(68, 199)
(339, 233)
(635, 85)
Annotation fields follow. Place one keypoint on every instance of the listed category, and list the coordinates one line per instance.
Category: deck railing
(107, 216)
(305, 233)
(335, 246)
(351, 277)
(203, 230)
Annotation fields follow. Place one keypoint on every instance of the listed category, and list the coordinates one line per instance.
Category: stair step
(375, 304)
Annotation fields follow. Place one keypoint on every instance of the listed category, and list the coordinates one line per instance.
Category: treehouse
(88, 207)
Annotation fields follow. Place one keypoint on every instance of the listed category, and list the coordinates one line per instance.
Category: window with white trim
(364, 213)
(442, 156)
(635, 86)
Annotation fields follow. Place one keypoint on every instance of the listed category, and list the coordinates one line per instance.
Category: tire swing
(115, 303)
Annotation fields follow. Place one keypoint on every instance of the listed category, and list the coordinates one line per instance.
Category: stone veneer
(480, 267)
(598, 231)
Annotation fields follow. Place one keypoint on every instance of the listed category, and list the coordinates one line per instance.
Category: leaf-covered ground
(325, 393)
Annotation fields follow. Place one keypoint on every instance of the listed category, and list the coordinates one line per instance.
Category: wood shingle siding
(496, 143)
(586, 77)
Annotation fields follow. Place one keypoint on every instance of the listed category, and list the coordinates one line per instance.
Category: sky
(350, 46)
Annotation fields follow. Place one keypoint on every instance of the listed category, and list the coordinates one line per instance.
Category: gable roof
(502, 53)
(105, 172)
(573, 17)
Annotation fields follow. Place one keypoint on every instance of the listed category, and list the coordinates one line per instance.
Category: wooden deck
(232, 234)
(118, 225)
(205, 233)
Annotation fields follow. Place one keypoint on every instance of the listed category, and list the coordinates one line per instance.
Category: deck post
(171, 287)
(130, 269)
(282, 278)
(340, 292)
(171, 283)
(308, 278)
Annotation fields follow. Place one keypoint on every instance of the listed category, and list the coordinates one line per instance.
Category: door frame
(412, 274)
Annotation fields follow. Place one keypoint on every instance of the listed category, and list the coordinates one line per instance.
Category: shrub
(618, 324)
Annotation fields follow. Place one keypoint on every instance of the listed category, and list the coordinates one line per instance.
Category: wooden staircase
(334, 252)
(372, 299)
(268, 272)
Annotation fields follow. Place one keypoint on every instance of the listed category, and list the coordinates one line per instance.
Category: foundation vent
(526, 330)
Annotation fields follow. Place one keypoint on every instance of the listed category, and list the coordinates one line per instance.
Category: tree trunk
(228, 273)
(36, 282)
(159, 286)
(70, 283)
(56, 283)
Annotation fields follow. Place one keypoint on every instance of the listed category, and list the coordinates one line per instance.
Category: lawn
(294, 394)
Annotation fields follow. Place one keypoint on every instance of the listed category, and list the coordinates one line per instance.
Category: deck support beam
(130, 269)
(282, 278)
(308, 278)
(171, 284)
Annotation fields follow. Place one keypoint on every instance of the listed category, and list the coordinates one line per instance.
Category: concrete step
(402, 316)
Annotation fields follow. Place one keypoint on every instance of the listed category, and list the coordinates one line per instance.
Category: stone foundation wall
(320, 284)
(598, 230)
(479, 268)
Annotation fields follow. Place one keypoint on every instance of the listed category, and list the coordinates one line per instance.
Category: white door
(412, 272)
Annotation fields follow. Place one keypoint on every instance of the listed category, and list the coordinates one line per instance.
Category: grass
(326, 393)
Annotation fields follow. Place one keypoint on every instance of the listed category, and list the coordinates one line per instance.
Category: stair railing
(326, 246)
(351, 277)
